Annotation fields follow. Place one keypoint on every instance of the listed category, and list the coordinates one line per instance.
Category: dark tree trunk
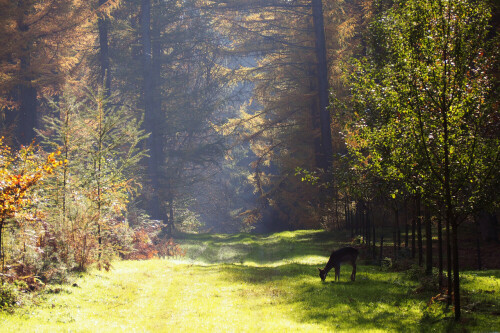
(351, 221)
(395, 247)
(448, 260)
(151, 118)
(419, 234)
(322, 72)
(479, 261)
(26, 121)
(440, 252)
(428, 243)
(374, 239)
(25, 118)
(398, 231)
(406, 226)
(346, 214)
(363, 221)
(381, 248)
(487, 224)
(171, 217)
(413, 231)
(456, 272)
(368, 225)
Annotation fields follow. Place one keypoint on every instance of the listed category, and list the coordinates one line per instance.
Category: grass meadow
(252, 283)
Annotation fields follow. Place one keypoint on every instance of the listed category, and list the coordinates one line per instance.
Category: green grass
(248, 283)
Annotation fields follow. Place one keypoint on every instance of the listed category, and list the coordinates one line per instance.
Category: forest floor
(248, 283)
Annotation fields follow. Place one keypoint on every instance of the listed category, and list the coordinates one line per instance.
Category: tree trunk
(2, 256)
(456, 272)
(374, 239)
(440, 252)
(428, 243)
(26, 121)
(398, 231)
(394, 245)
(406, 227)
(381, 248)
(26, 117)
(413, 230)
(351, 221)
(323, 90)
(448, 260)
(346, 214)
(171, 217)
(368, 225)
(150, 118)
(487, 224)
(419, 234)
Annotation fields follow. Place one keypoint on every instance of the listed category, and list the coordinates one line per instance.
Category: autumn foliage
(19, 173)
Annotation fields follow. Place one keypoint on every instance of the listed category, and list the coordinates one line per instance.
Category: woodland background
(126, 122)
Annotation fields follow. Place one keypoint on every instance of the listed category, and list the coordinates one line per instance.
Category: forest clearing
(249, 283)
(189, 165)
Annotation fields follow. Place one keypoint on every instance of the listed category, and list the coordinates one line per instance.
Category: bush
(9, 297)
(386, 264)
(357, 240)
(425, 282)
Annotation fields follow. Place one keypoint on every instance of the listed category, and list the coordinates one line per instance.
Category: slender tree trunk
(381, 248)
(413, 231)
(440, 252)
(456, 272)
(368, 225)
(171, 217)
(395, 247)
(323, 90)
(448, 260)
(405, 220)
(428, 242)
(2, 255)
(98, 175)
(398, 230)
(419, 234)
(478, 246)
(351, 221)
(346, 214)
(374, 239)
(337, 219)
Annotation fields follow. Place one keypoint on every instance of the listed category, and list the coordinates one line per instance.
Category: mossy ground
(248, 283)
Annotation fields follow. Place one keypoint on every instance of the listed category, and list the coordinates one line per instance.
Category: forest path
(248, 283)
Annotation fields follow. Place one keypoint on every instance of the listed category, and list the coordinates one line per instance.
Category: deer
(343, 255)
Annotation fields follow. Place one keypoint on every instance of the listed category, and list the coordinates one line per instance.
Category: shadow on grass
(376, 301)
(260, 249)
(373, 302)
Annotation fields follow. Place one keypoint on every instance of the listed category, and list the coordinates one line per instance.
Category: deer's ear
(319, 269)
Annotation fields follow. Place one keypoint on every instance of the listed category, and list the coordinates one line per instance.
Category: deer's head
(322, 274)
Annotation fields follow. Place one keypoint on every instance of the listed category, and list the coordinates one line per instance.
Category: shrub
(9, 297)
(169, 248)
(425, 282)
(357, 240)
(386, 264)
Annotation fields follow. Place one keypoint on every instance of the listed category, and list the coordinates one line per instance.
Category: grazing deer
(343, 255)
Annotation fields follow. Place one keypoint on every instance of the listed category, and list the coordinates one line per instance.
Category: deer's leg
(337, 273)
(353, 275)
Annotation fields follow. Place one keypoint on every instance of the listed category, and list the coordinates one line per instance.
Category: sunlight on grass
(270, 285)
